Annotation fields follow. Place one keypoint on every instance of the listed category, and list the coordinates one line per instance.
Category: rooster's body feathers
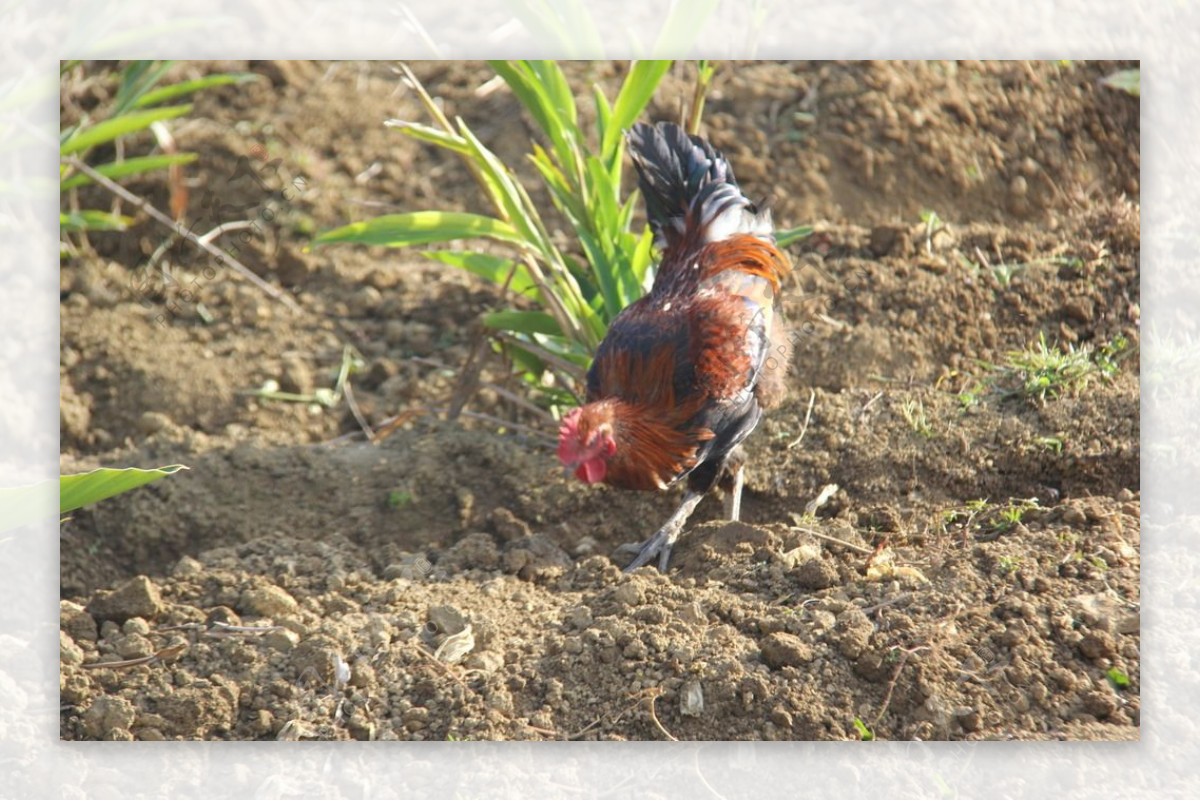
(684, 373)
(688, 357)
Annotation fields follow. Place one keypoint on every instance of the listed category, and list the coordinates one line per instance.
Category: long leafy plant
(569, 298)
(566, 299)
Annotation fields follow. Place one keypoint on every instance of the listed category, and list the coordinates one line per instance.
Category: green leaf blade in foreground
(126, 124)
(791, 236)
(491, 268)
(93, 220)
(189, 87)
(523, 322)
(82, 489)
(635, 93)
(421, 228)
(1127, 81)
(134, 166)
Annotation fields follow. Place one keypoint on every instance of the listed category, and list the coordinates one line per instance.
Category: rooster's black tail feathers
(686, 182)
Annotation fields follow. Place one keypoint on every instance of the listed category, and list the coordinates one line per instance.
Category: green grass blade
(93, 220)
(505, 190)
(523, 322)
(602, 270)
(640, 263)
(491, 268)
(434, 136)
(120, 126)
(639, 86)
(603, 112)
(82, 489)
(557, 91)
(133, 166)
(791, 236)
(421, 228)
(136, 79)
(541, 94)
(1128, 81)
(182, 88)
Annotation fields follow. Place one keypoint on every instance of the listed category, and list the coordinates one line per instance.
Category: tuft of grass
(1009, 564)
(1043, 372)
(864, 731)
(914, 415)
(397, 499)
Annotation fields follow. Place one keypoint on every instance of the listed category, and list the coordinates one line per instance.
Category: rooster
(684, 373)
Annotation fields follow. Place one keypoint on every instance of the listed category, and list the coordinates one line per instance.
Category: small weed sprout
(1009, 564)
(914, 415)
(864, 731)
(1052, 444)
(1010, 516)
(1046, 372)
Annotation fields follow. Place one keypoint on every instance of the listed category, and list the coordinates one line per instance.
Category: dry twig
(144, 205)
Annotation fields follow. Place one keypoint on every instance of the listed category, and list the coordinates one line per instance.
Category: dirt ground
(973, 576)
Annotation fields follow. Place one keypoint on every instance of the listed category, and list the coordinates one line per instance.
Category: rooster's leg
(733, 498)
(665, 537)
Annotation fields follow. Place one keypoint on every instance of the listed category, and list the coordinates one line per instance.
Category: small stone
(138, 597)
(507, 526)
(363, 675)
(970, 720)
(580, 617)
(133, 646)
(77, 622)
(816, 574)
(1018, 186)
(296, 376)
(1074, 516)
(691, 699)
(1100, 703)
(629, 594)
(1080, 309)
(1097, 645)
(485, 661)
(366, 301)
(282, 640)
(106, 714)
(652, 613)
(783, 650)
(291, 269)
(153, 422)
(187, 566)
(379, 371)
(68, 652)
(267, 601)
(853, 632)
(136, 625)
(536, 557)
(692, 613)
